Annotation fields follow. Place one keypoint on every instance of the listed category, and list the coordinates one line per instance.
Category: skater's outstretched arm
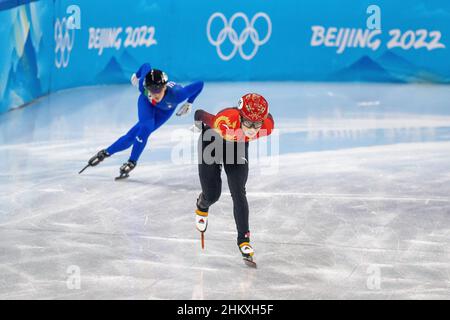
(141, 73)
(190, 92)
(205, 117)
(143, 70)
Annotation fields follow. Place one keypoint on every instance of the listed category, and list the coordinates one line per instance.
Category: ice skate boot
(201, 220)
(247, 254)
(95, 160)
(125, 170)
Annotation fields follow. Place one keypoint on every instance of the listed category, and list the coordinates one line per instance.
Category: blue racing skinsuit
(153, 115)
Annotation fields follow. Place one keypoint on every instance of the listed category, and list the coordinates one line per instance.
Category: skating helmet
(253, 107)
(155, 81)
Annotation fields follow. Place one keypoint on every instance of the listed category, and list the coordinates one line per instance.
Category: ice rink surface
(356, 205)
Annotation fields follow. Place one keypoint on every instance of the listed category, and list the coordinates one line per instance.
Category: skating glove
(134, 80)
(185, 109)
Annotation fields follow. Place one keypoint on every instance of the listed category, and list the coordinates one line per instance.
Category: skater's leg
(210, 179)
(140, 141)
(211, 184)
(123, 142)
(145, 112)
(146, 126)
(237, 174)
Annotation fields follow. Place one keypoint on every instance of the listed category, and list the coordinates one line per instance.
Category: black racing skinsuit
(233, 157)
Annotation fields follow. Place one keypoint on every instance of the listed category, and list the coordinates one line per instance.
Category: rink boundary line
(343, 196)
(300, 244)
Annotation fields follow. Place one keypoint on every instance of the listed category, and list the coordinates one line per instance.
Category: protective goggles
(252, 124)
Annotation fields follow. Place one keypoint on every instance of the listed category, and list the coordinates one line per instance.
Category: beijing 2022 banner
(53, 45)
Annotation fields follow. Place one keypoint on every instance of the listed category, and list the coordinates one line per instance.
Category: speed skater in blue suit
(157, 102)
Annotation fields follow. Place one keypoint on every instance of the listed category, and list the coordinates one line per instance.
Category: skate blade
(203, 240)
(250, 263)
(122, 177)
(81, 171)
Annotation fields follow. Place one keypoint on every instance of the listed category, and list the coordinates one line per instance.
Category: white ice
(356, 206)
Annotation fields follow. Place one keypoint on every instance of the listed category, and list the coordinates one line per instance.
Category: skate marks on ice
(330, 247)
(396, 225)
(368, 221)
(112, 266)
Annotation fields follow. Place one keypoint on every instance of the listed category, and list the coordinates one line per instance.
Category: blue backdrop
(52, 45)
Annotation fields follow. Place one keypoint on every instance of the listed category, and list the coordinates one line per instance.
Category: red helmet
(253, 107)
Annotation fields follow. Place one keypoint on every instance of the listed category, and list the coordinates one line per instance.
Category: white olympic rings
(64, 40)
(238, 40)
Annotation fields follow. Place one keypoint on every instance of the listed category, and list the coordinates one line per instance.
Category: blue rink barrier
(53, 45)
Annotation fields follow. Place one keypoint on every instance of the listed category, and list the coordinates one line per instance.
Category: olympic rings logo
(236, 40)
(64, 40)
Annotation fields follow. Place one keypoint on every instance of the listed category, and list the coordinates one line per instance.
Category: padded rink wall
(52, 45)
